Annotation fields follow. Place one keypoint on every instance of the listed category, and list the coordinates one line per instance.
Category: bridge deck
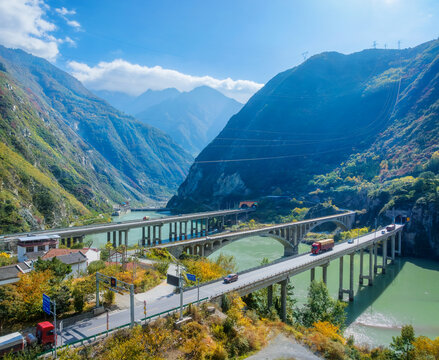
(126, 225)
(248, 281)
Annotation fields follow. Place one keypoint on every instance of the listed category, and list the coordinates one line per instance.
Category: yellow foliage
(4, 255)
(204, 269)
(425, 346)
(329, 330)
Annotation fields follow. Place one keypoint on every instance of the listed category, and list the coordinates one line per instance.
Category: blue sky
(234, 46)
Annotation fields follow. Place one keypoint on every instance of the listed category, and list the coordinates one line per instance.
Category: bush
(109, 297)
(78, 300)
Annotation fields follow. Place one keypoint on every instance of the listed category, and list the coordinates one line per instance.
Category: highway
(126, 225)
(248, 281)
(252, 232)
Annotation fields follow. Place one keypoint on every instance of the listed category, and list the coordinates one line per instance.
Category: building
(10, 274)
(91, 254)
(31, 247)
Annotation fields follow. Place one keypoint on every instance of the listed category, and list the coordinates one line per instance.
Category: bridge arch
(339, 224)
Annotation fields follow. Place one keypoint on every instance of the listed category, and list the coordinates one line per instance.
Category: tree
(78, 300)
(402, 346)
(321, 307)
(62, 296)
(95, 266)
(58, 268)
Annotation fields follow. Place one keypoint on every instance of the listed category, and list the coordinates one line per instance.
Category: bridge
(117, 233)
(288, 234)
(266, 276)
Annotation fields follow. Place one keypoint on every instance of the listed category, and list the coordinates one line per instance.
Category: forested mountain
(65, 152)
(191, 118)
(360, 129)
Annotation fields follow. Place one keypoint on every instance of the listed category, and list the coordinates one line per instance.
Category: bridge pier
(283, 299)
(313, 274)
(384, 266)
(269, 296)
(325, 273)
(392, 248)
(375, 257)
(341, 290)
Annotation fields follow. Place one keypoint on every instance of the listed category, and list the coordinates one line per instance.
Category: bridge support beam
(371, 271)
(399, 251)
(269, 296)
(115, 239)
(120, 238)
(108, 237)
(325, 273)
(283, 300)
(149, 236)
(349, 291)
(375, 258)
(126, 238)
(392, 248)
(383, 268)
(143, 236)
(361, 267)
(313, 274)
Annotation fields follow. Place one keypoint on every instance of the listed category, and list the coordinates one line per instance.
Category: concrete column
(392, 248)
(375, 257)
(120, 237)
(325, 273)
(351, 277)
(270, 296)
(180, 231)
(69, 242)
(185, 230)
(313, 274)
(63, 241)
(295, 235)
(283, 300)
(192, 228)
(143, 236)
(383, 269)
(340, 284)
(160, 234)
(371, 271)
(149, 235)
(170, 231)
(192, 250)
(361, 266)
(114, 239)
(154, 235)
(399, 243)
(108, 237)
(126, 238)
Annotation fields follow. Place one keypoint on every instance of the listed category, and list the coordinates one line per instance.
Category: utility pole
(54, 323)
(180, 283)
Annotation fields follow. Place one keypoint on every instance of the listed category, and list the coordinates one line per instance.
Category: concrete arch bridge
(288, 234)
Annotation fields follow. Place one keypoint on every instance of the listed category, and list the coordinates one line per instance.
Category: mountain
(360, 130)
(66, 152)
(192, 118)
(135, 104)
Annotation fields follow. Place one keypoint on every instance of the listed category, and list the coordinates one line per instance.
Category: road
(248, 281)
(126, 225)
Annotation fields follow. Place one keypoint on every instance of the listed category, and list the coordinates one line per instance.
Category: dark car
(231, 278)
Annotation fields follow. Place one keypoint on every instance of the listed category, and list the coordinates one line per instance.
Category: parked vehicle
(230, 278)
(351, 241)
(383, 231)
(322, 246)
(390, 227)
(14, 342)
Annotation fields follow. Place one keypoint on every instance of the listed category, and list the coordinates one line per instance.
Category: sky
(234, 46)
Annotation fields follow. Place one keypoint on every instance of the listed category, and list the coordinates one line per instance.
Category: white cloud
(22, 25)
(73, 23)
(64, 11)
(133, 79)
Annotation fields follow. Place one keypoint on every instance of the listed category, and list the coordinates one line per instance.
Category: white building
(31, 247)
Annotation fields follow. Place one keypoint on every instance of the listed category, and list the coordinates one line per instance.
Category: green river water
(407, 294)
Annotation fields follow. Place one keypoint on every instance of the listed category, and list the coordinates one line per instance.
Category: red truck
(45, 336)
(320, 246)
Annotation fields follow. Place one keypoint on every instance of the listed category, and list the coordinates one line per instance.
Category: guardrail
(93, 338)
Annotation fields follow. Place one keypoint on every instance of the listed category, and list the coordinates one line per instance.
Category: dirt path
(284, 348)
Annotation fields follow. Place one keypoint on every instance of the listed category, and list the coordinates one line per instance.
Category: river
(407, 294)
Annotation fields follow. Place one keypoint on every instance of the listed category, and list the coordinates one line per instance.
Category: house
(77, 260)
(91, 254)
(30, 247)
(9, 274)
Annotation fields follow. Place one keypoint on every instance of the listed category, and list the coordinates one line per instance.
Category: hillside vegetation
(361, 130)
(66, 153)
